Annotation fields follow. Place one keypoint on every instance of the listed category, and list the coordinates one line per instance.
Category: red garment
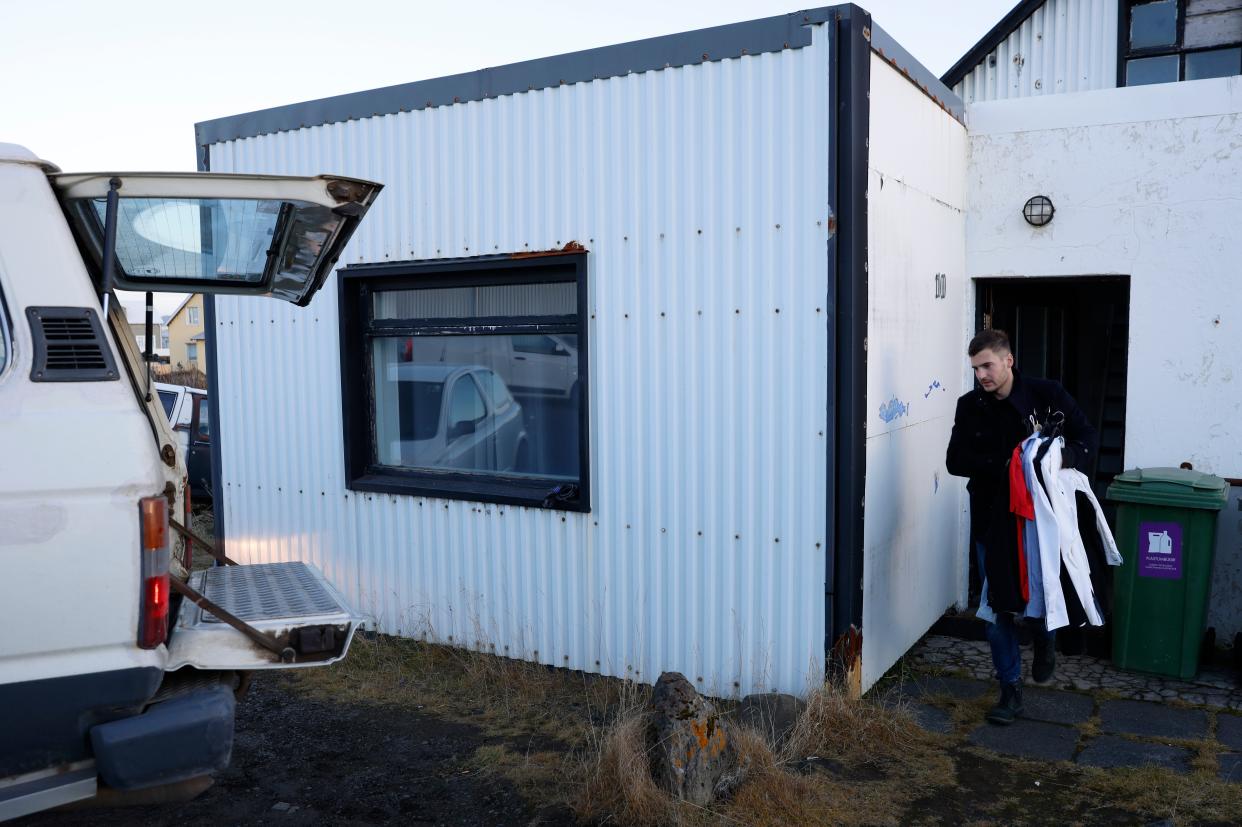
(1020, 501)
(1021, 504)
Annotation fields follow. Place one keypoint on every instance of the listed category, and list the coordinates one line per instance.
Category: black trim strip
(852, 111)
(769, 34)
(1007, 25)
(213, 402)
(753, 37)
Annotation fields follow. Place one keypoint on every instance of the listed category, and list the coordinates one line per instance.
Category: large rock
(771, 713)
(693, 756)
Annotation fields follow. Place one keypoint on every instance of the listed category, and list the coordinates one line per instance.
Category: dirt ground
(299, 760)
(403, 732)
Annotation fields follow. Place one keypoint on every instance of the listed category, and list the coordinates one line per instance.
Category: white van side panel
(77, 456)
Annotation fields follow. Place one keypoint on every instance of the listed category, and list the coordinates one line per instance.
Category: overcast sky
(94, 86)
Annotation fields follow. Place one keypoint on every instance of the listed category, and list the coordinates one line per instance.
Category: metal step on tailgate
(291, 601)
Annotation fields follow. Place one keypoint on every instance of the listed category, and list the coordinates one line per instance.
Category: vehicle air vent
(69, 346)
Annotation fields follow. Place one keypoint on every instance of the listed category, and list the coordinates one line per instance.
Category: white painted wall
(1147, 182)
(702, 195)
(916, 228)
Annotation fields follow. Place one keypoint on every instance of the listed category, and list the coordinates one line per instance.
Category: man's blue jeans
(1003, 638)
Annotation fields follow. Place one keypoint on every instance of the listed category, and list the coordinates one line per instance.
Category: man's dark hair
(993, 340)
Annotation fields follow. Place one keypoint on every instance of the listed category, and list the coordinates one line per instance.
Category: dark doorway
(1076, 331)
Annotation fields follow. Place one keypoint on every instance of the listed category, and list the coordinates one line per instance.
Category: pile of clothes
(1051, 560)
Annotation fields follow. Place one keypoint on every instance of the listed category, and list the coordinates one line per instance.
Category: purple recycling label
(1160, 550)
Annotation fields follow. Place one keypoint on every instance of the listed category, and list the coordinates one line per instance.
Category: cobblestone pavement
(1083, 673)
(1091, 714)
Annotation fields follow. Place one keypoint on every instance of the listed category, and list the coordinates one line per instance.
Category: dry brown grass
(838, 726)
(1155, 793)
(874, 764)
(617, 777)
(509, 697)
(617, 785)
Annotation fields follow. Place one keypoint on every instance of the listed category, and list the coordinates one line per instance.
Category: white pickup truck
(118, 667)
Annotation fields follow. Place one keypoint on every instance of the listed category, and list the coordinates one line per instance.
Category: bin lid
(1170, 486)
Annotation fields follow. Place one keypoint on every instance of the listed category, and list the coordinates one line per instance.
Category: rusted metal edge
(572, 248)
(894, 54)
(921, 86)
(278, 647)
(220, 556)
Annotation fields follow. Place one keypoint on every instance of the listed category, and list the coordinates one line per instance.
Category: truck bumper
(171, 741)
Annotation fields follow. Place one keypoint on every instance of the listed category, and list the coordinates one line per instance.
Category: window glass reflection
(1217, 63)
(505, 404)
(1147, 70)
(1153, 24)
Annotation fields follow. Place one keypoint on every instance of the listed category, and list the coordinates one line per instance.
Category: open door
(258, 235)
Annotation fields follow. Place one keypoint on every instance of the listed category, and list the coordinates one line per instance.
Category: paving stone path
(1084, 673)
(1081, 718)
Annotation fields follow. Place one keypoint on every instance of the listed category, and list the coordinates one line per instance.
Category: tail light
(153, 604)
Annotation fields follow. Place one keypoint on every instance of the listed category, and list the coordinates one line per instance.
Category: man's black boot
(1045, 658)
(1009, 707)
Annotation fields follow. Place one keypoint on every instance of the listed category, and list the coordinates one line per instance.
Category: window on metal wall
(466, 379)
(1171, 40)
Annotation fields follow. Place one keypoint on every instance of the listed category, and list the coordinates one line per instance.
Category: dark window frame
(355, 286)
(1125, 54)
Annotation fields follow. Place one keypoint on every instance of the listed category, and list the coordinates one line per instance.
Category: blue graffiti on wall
(894, 408)
(933, 386)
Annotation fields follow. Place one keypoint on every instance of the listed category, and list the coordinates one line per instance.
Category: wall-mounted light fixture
(1038, 210)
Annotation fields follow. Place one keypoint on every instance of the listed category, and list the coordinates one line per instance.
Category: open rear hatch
(291, 603)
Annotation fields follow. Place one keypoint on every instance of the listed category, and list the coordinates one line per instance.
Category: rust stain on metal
(847, 658)
(571, 248)
(921, 86)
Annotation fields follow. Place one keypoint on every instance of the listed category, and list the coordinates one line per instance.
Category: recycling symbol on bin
(1159, 542)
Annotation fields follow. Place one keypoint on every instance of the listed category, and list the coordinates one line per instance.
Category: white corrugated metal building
(727, 277)
(705, 193)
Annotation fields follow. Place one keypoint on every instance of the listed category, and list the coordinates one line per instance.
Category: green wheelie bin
(1166, 532)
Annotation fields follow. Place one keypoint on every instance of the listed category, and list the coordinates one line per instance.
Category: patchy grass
(579, 741)
(1157, 793)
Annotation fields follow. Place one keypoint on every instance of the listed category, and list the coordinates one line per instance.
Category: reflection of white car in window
(538, 364)
(457, 416)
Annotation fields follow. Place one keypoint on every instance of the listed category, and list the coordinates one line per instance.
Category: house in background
(139, 330)
(1101, 228)
(185, 335)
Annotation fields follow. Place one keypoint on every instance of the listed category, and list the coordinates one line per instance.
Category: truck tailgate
(292, 601)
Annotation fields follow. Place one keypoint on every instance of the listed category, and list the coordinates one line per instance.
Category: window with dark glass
(1164, 41)
(467, 379)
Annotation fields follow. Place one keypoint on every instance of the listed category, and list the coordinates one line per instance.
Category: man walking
(990, 422)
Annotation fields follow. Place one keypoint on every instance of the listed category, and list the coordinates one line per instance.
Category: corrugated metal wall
(1064, 46)
(701, 193)
(917, 305)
